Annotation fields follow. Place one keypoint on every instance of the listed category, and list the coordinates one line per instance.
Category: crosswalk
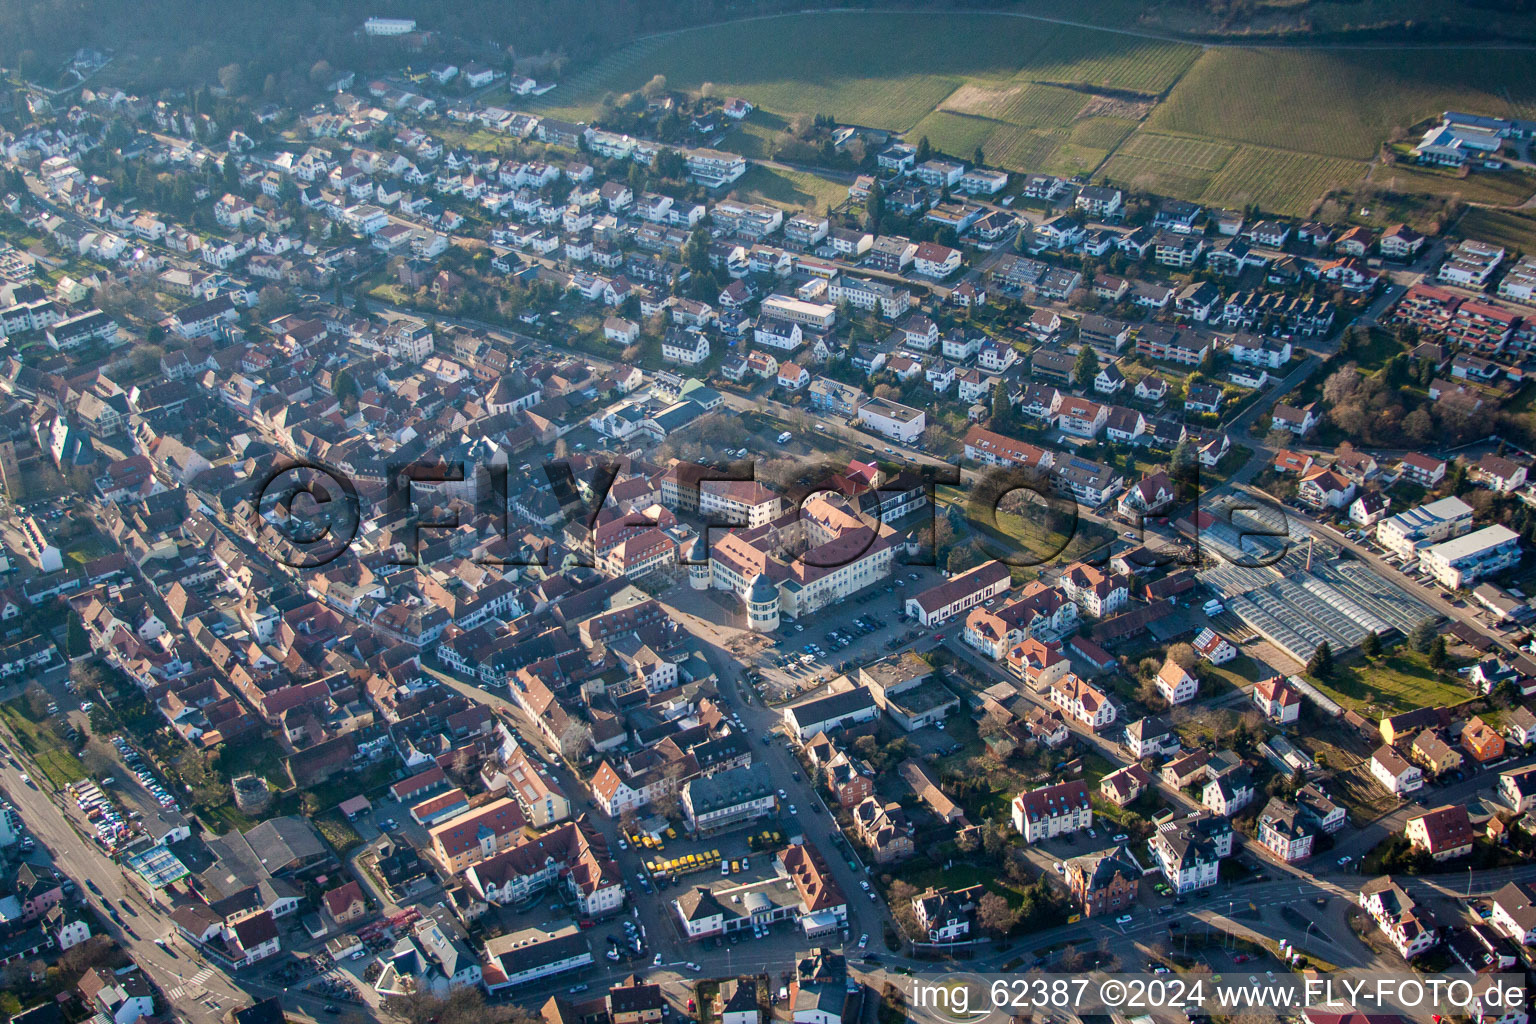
(194, 982)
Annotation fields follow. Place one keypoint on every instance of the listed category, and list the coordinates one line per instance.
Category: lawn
(254, 754)
(467, 138)
(960, 875)
(1376, 352)
(87, 547)
(39, 742)
(1239, 673)
(1037, 544)
(793, 189)
(1398, 682)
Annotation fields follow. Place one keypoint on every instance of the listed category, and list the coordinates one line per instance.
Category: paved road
(82, 860)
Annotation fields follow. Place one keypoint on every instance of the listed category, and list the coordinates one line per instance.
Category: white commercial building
(1455, 563)
(1407, 532)
(893, 420)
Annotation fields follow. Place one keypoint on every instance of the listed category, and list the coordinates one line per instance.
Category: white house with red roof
(1278, 699)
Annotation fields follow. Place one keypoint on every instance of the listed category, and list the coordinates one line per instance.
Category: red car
(587, 922)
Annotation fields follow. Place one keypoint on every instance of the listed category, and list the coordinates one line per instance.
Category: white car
(1345, 860)
(656, 960)
(863, 885)
(1123, 919)
(864, 940)
(1061, 868)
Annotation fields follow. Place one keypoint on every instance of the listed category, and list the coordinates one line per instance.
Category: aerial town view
(594, 512)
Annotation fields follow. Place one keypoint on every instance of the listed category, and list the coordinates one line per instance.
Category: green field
(788, 188)
(1399, 682)
(1338, 102)
(37, 739)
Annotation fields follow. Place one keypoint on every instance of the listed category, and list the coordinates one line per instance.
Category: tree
(655, 87)
(37, 699)
(924, 149)
(995, 915)
(978, 158)
(576, 740)
(1422, 636)
(229, 77)
(76, 642)
(900, 894)
(1184, 656)
(1320, 664)
(1183, 456)
(1342, 385)
(1437, 654)
(1371, 645)
(1087, 365)
(1419, 425)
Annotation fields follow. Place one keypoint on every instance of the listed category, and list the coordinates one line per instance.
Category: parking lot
(837, 639)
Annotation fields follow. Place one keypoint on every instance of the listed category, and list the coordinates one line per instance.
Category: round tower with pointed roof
(763, 605)
(698, 564)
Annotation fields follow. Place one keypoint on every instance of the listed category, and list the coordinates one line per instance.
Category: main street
(197, 988)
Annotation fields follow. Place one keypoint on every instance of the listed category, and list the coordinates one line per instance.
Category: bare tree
(995, 915)
(575, 739)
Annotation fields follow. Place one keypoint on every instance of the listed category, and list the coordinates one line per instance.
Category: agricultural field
(1504, 188)
(1027, 104)
(1341, 103)
(1514, 231)
(1167, 164)
(1288, 183)
(864, 68)
(1097, 60)
(1279, 127)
